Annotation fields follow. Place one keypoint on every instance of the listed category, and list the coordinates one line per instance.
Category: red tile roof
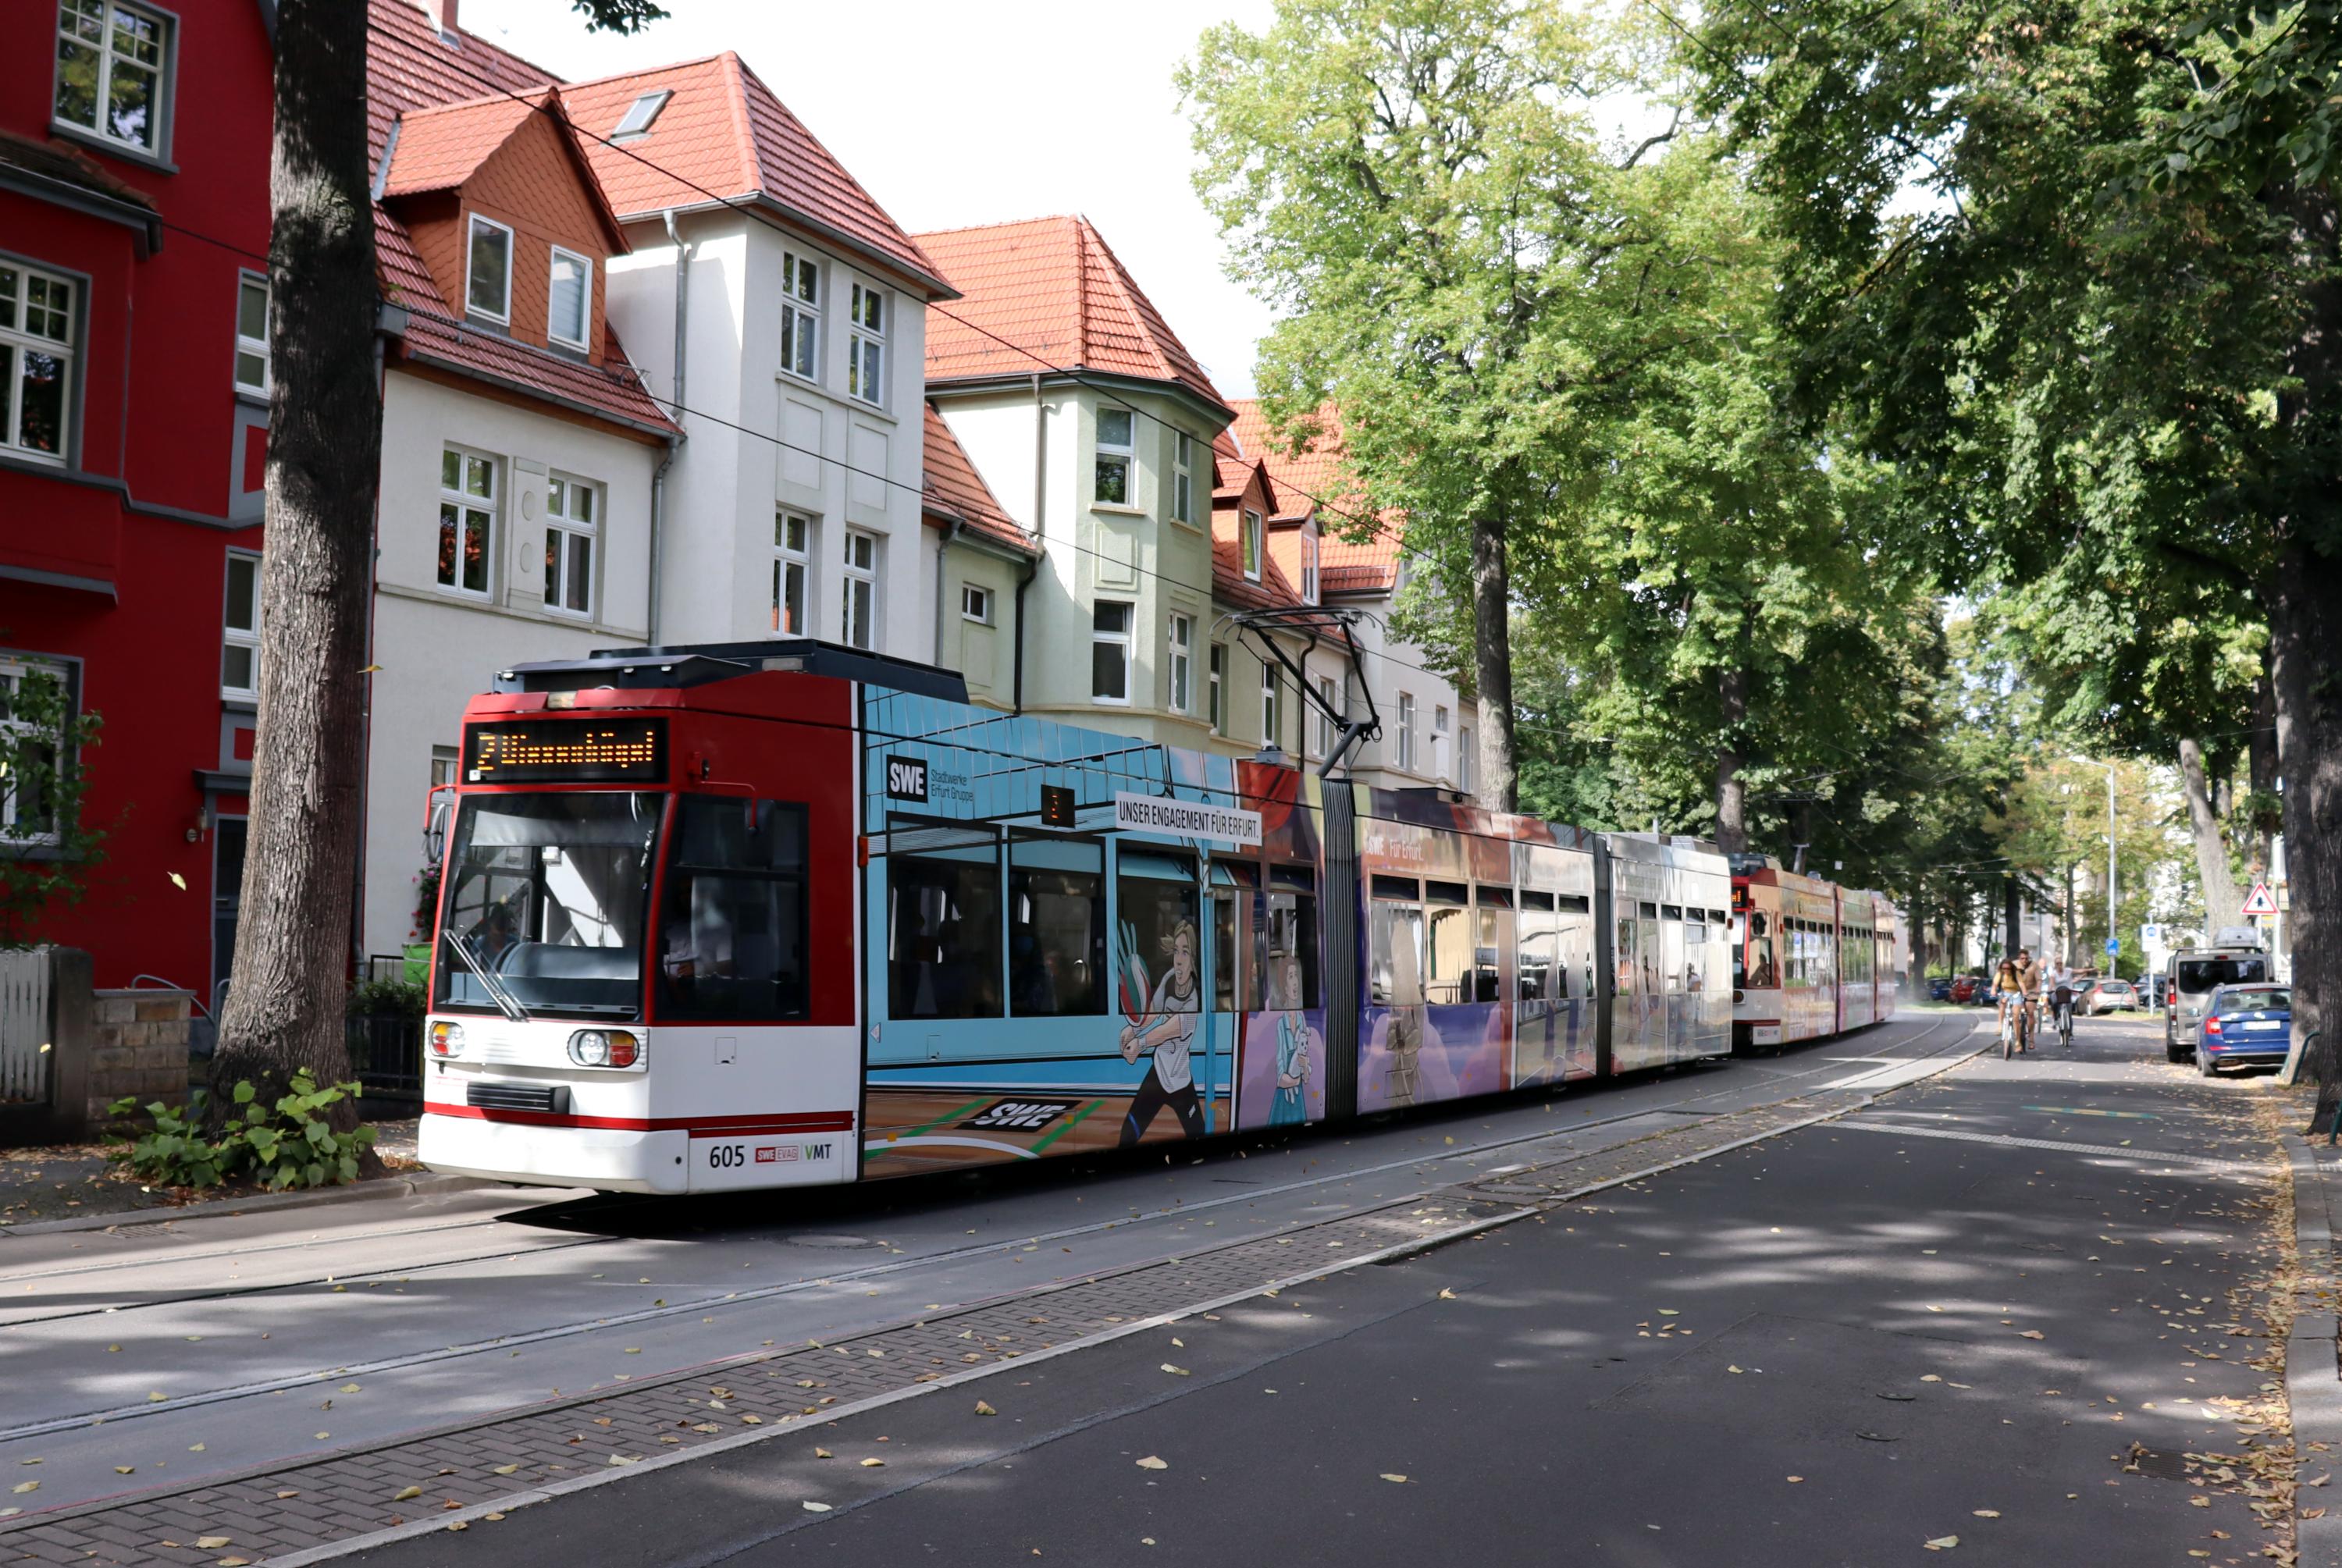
(439, 147)
(455, 93)
(1047, 293)
(1241, 486)
(957, 492)
(1314, 476)
(723, 136)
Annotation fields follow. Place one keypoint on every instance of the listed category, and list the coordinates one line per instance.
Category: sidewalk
(2313, 1374)
(77, 1181)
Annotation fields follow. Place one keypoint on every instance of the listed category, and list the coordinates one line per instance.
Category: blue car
(2244, 1024)
(1940, 988)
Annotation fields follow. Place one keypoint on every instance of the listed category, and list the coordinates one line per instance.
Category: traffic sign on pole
(2259, 902)
(2114, 947)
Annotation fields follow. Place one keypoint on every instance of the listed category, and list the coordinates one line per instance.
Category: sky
(953, 115)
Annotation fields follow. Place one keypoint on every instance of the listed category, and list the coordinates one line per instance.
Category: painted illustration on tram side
(1162, 1029)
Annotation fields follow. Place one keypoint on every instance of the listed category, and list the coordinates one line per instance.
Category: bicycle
(2008, 1032)
(2064, 1015)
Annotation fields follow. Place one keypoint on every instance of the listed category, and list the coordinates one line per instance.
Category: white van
(2192, 974)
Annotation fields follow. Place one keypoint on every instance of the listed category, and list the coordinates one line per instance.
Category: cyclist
(2007, 994)
(2061, 1004)
(2029, 981)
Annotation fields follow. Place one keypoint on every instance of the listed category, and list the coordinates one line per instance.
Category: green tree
(2061, 355)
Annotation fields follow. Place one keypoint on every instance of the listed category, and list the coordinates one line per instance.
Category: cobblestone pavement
(448, 1477)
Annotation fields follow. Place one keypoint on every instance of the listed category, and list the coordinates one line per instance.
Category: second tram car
(785, 914)
(1809, 958)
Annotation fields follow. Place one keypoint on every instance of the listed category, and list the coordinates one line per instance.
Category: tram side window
(1576, 918)
(733, 927)
(1289, 954)
(943, 926)
(1537, 967)
(1493, 912)
(1395, 938)
(1625, 957)
(1158, 932)
(1673, 954)
(1695, 964)
(1447, 945)
(1057, 927)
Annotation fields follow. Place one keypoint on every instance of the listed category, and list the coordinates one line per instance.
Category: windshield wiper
(505, 1002)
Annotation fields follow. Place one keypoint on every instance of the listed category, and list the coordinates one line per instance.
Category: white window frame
(566, 528)
(16, 339)
(164, 68)
(1181, 636)
(1125, 453)
(861, 576)
(232, 636)
(1119, 641)
(1183, 478)
(1438, 739)
(474, 224)
(800, 316)
(1219, 660)
(1271, 719)
(246, 343)
(638, 120)
(789, 559)
(466, 501)
(1407, 732)
(1309, 567)
(1252, 545)
(584, 300)
(1322, 723)
(976, 604)
(1466, 759)
(14, 668)
(866, 344)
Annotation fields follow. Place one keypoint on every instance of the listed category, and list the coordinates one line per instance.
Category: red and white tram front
(627, 991)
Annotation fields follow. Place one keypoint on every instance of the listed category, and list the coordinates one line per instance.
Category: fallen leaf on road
(1668, 1311)
(28, 1462)
(125, 1469)
(1447, 1295)
(350, 1388)
(155, 1398)
(211, 1543)
(823, 1454)
(321, 1436)
(1943, 1543)
(23, 1486)
(1176, 1371)
(1732, 1369)
(1400, 1479)
(1988, 1512)
(507, 1469)
(457, 1524)
(753, 1419)
(1929, 1377)
(1794, 1478)
(1151, 1463)
(984, 1409)
(404, 1493)
(872, 1463)
(2200, 1501)
(2031, 1334)
(625, 1459)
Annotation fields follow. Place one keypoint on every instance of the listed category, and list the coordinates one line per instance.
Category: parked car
(2105, 996)
(2194, 975)
(1939, 989)
(1965, 988)
(2244, 1023)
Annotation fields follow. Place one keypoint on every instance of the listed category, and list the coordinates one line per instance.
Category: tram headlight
(604, 1048)
(446, 1038)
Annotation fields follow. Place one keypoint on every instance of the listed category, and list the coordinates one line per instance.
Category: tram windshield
(547, 892)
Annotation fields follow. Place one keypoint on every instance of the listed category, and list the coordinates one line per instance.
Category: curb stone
(264, 1203)
(2313, 1382)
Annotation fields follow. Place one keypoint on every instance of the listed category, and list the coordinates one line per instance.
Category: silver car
(2193, 975)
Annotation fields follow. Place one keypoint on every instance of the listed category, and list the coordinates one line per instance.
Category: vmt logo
(906, 779)
(816, 1150)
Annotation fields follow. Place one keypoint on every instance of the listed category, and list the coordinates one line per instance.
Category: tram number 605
(725, 1156)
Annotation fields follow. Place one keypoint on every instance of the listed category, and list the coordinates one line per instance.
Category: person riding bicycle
(2061, 1004)
(2029, 981)
(2008, 998)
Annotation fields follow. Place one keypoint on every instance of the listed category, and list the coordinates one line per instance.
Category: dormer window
(1251, 546)
(1308, 568)
(488, 270)
(568, 298)
(641, 113)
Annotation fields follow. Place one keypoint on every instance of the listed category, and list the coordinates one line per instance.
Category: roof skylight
(644, 110)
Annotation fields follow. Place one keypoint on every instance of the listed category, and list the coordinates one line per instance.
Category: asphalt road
(1928, 1320)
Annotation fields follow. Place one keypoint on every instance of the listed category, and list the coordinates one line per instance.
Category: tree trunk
(2305, 615)
(1492, 659)
(2261, 754)
(2222, 902)
(1731, 793)
(293, 945)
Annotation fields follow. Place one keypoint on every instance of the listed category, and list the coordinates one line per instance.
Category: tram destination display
(567, 750)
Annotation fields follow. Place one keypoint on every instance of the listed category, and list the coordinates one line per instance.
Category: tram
(1809, 958)
(785, 914)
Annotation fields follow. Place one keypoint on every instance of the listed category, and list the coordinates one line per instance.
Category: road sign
(2259, 902)
(2151, 936)
(2114, 947)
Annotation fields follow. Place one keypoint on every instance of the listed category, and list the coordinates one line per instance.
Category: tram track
(1777, 1092)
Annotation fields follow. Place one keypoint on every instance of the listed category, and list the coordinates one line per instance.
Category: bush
(387, 998)
(289, 1144)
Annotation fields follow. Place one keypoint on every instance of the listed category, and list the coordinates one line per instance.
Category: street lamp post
(2088, 762)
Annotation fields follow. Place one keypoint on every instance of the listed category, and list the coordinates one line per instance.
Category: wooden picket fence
(25, 1053)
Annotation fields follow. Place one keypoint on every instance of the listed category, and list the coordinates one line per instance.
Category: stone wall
(138, 1042)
